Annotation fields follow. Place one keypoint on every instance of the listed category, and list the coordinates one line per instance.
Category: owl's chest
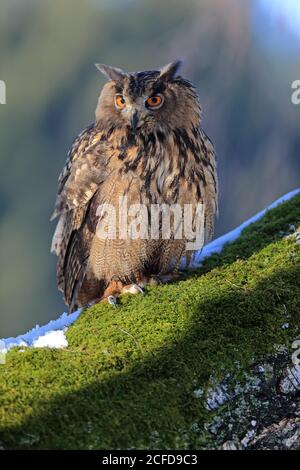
(150, 173)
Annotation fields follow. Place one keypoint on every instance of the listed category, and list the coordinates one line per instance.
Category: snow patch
(52, 339)
(28, 339)
(217, 245)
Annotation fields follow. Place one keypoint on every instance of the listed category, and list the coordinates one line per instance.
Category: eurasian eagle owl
(146, 145)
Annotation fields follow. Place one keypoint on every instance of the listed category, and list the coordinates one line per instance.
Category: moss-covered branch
(130, 376)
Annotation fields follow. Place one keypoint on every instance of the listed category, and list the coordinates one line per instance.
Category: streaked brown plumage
(151, 155)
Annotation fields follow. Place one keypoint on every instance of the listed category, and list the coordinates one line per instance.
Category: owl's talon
(139, 289)
(133, 289)
(159, 279)
(111, 299)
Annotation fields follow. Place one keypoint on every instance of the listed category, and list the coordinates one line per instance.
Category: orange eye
(154, 101)
(120, 102)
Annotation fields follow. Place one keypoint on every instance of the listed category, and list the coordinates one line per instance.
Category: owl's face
(147, 100)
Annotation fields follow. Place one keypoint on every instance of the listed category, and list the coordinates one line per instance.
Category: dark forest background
(242, 56)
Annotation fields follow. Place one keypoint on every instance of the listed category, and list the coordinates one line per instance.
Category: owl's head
(147, 100)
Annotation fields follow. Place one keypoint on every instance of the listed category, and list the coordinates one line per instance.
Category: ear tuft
(112, 73)
(170, 70)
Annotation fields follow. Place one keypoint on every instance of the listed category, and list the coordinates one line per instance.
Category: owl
(147, 146)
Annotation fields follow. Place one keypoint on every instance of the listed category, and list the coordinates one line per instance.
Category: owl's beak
(134, 120)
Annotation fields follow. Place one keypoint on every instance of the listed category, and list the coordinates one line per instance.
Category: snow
(52, 339)
(217, 245)
(52, 335)
(28, 339)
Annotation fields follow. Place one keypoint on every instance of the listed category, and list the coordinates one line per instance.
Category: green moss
(128, 377)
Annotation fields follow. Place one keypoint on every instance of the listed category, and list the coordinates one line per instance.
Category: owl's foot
(112, 300)
(155, 280)
(116, 288)
(112, 292)
(132, 289)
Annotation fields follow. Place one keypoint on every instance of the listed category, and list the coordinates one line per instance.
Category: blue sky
(276, 24)
(283, 13)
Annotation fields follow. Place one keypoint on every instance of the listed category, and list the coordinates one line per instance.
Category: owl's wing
(82, 172)
(81, 177)
(210, 189)
(202, 170)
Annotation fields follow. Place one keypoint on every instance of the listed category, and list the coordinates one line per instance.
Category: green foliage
(128, 377)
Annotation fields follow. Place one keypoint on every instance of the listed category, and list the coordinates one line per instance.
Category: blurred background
(241, 55)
